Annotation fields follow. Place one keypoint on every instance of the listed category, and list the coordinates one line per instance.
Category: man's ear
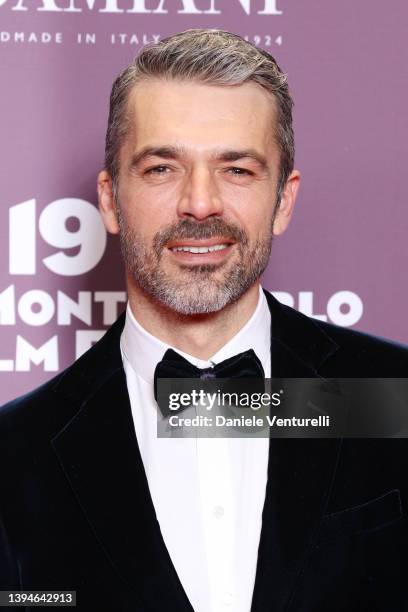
(287, 203)
(107, 204)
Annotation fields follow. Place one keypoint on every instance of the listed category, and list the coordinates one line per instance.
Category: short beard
(197, 291)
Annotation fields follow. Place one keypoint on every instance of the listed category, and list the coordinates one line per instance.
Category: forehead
(200, 116)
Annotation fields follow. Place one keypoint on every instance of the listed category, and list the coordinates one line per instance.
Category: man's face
(196, 193)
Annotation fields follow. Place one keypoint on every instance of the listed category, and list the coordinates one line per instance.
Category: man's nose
(200, 197)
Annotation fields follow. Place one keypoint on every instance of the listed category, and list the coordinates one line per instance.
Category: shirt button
(227, 598)
(218, 511)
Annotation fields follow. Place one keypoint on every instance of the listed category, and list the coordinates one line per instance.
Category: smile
(198, 249)
(193, 252)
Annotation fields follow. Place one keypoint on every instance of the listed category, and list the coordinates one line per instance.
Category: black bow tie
(243, 365)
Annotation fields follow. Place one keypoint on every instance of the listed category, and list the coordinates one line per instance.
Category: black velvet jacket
(76, 513)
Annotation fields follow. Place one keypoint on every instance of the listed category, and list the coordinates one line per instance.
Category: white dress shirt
(208, 493)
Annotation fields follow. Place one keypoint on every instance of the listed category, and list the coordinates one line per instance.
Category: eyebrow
(177, 152)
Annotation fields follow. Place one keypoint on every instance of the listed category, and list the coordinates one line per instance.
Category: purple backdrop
(344, 256)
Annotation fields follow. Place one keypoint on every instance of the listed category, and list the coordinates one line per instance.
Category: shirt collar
(144, 351)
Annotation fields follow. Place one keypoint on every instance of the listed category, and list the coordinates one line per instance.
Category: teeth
(193, 249)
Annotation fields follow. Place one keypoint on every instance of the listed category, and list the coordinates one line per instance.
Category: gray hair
(214, 57)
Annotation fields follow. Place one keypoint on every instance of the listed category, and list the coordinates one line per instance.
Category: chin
(199, 304)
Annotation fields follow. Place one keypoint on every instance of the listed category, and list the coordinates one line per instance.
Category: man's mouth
(201, 249)
(213, 250)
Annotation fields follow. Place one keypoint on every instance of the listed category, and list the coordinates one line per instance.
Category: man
(198, 179)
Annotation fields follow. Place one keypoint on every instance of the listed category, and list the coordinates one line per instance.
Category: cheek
(149, 207)
(144, 219)
(252, 214)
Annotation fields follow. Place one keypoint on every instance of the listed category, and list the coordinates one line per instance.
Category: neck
(198, 335)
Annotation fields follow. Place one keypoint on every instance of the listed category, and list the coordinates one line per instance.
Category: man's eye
(239, 171)
(157, 170)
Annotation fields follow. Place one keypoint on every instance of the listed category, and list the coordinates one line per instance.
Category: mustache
(201, 230)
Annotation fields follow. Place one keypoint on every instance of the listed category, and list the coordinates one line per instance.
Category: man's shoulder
(23, 414)
(335, 350)
(56, 401)
(367, 353)
(346, 337)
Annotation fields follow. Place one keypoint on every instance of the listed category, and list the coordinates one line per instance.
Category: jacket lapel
(300, 471)
(99, 454)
